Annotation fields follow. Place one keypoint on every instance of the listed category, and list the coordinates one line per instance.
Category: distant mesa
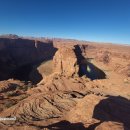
(11, 36)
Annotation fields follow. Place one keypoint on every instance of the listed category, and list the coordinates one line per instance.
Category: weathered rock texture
(41, 107)
(66, 61)
(94, 111)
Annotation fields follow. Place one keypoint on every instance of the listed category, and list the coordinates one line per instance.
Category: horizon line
(65, 38)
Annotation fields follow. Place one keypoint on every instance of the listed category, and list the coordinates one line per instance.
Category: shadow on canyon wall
(19, 56)
(87, 68)
(65, 125)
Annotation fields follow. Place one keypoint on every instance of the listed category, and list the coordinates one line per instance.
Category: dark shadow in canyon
(86, 68)
(18, 57)
(23, 73)
(114, 108)
(91, 71)
(66, 125)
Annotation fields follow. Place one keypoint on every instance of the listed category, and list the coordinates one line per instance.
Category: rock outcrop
(41, 107)
(66, 61)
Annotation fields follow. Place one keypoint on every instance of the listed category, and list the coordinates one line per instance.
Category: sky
(91, 20)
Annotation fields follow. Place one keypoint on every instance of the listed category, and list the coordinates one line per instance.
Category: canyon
(63, 84)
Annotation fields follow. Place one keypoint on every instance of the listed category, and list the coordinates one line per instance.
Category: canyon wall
(15, 53)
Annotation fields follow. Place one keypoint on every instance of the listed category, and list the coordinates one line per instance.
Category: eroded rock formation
(67, 60)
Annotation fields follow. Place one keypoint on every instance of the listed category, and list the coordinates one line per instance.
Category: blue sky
(92, 20)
